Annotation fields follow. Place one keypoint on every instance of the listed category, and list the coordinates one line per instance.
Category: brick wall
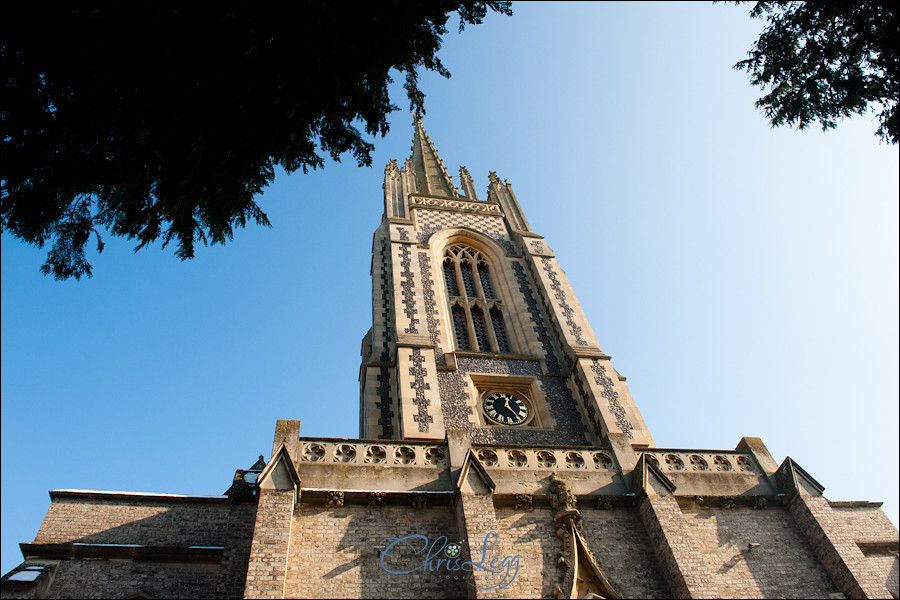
(236, 556)
(888, 566)
(784, 565)
(532, 535)
(868, 523)
(835, 544)
(269, 550)
(332, 553)
(114, 579)
(139, 521)
(620, 544)
(149, 521)
(676, 549)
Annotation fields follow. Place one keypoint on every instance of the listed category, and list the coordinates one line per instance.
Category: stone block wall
(784, 565)
(333, 553)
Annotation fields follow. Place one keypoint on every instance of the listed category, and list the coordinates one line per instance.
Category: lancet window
(477, 312)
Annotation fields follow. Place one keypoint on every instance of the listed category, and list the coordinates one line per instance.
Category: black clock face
(505, 408)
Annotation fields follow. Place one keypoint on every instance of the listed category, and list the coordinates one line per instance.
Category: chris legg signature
(443, 556)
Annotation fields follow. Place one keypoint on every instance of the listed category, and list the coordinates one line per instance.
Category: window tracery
(477, 312)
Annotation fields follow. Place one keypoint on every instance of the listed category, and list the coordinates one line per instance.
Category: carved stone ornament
(564, 501)
(604, 502)
(583, 577)
(728, 502)
(760, 502)
(419, 501)
(376, 499)
(524, 501)
(335, 498)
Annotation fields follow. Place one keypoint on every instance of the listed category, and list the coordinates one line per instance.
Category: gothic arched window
(475, 309)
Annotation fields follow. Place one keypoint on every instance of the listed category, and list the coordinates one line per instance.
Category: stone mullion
(489, 325)
(506, 325)
(477, 276)
(460, 282)
(470, 324)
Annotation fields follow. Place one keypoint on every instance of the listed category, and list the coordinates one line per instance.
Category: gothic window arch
(475, 308)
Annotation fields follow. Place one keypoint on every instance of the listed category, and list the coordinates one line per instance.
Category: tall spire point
(431, 176)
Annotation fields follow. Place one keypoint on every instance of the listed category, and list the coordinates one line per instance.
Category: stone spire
(431, 177)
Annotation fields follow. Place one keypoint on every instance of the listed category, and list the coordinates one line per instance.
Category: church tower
(475, 326)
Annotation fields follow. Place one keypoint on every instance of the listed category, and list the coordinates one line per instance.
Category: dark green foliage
(826, 60)
(166, 123)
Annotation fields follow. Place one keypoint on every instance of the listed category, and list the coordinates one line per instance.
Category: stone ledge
(877, 547)
(137, 553)
(136, 497)
(854, 504)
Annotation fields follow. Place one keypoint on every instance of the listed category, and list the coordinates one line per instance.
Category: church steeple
(431, 178)
(475, 326)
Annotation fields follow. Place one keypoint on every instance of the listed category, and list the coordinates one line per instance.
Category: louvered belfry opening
(476, 309)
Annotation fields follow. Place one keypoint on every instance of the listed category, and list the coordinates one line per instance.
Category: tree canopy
(155, 123)
(825, 60)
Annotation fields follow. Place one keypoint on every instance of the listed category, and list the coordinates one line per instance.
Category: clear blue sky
(744, 279)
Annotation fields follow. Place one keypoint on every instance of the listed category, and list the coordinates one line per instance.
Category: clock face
(505, 408)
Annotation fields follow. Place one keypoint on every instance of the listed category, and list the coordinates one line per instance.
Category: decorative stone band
(714, 461)
(550, 459)
(486, 208)
(367, 453)
(417, 454)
